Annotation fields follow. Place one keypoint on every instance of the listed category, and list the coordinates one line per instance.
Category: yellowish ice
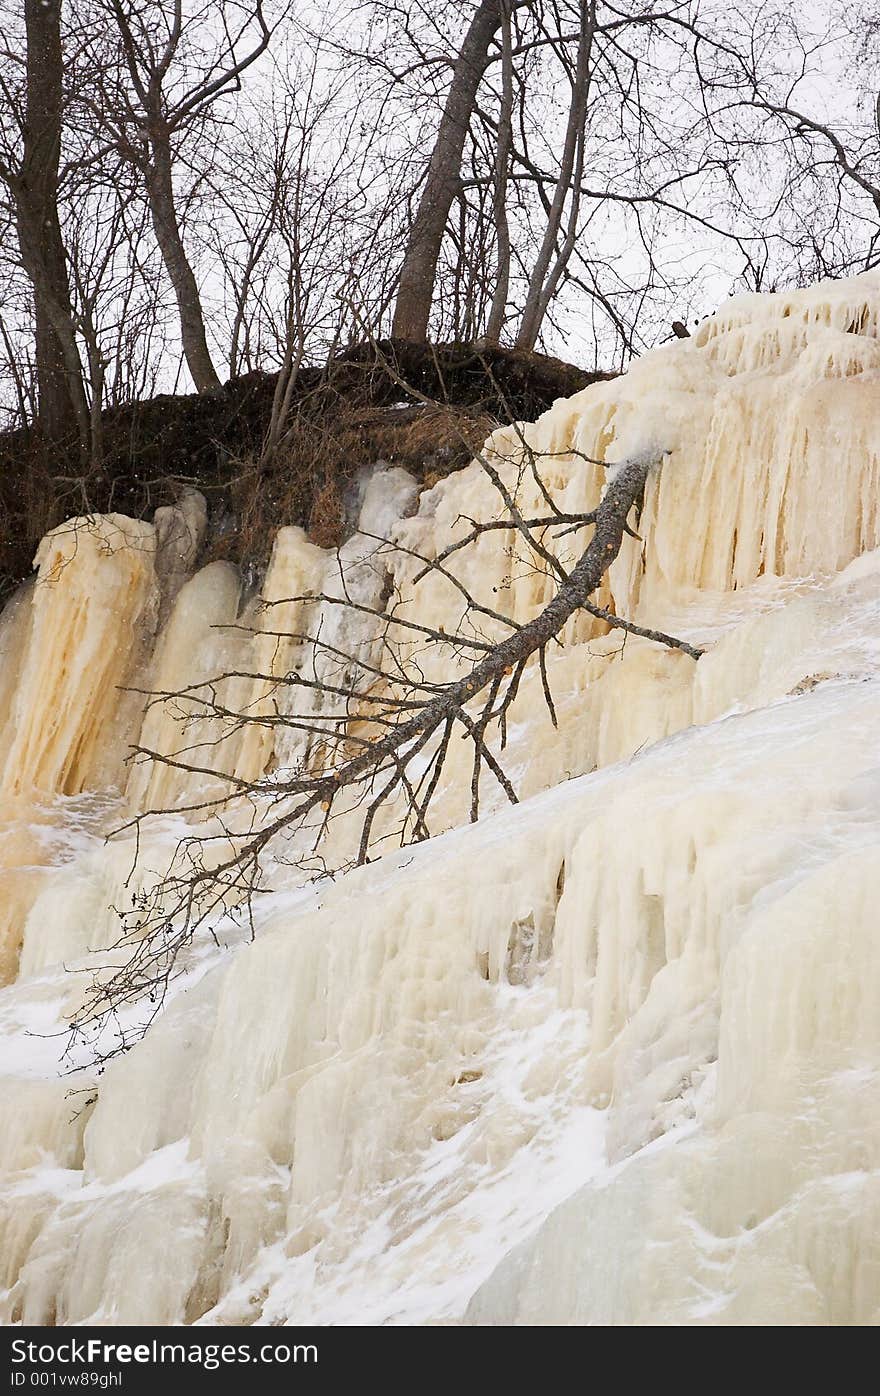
(611, 1056)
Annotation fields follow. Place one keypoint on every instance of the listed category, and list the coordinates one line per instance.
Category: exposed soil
(427, 408)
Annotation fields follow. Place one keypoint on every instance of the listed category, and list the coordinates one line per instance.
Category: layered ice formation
(611, 1056)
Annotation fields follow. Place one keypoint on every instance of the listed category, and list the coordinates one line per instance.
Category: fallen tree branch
(414, 718)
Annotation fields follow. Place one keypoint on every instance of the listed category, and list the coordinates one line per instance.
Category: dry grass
(311, 479)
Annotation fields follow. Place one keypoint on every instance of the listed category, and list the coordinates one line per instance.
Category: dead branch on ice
(362, 754)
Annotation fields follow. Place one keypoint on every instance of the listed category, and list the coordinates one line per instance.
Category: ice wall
(58, 734)
(608, 1057)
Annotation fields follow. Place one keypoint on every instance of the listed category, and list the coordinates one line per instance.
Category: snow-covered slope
(610, 1056)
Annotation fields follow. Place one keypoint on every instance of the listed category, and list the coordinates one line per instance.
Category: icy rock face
(95, 583)
(180, 532)
(609, 1057)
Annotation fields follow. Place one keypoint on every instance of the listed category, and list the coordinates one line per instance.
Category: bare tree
(288, 196)
(503, 149)
(810, 167)
(415, 291)
(574, 148)
(116, 292)
(558, 116)
(556, 248)
(30, 158)
(155, 98)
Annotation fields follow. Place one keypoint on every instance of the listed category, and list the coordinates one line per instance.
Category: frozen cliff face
(612, 1056)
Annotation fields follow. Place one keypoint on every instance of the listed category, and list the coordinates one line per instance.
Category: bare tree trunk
(502, 161)
(160, 189)
(545, 279)
(416, 286)
(63, 410)
(202, 47)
